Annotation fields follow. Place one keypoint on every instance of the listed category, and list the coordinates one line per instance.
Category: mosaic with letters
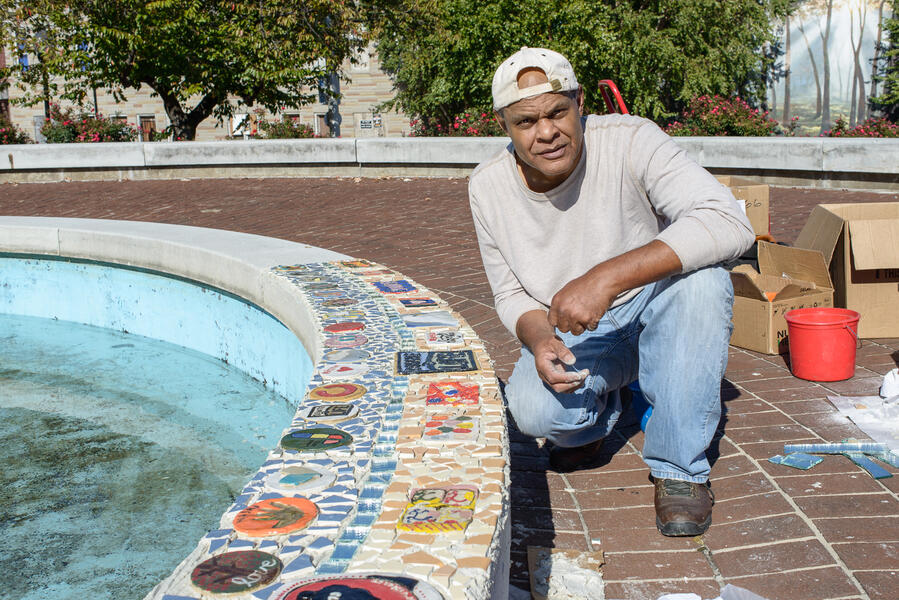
(236, 572)
(437, 509)
(448, 361)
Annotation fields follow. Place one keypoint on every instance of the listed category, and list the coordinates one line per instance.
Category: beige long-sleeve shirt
(633, 184)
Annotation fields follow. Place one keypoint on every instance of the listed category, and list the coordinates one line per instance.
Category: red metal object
(612, 97)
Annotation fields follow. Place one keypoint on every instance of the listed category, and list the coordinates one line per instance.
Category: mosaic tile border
(400, 446)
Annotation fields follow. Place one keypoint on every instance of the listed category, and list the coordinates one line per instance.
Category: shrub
(66, 127)
(716, 115)
(289, 128)
(11, 134)
(874, 128)
(468, 124)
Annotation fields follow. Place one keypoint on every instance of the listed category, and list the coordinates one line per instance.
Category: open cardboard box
(788, 278)
(755, 195)
(861, 243)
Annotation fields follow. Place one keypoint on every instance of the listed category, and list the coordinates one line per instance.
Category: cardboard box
(755, 195)
(798, 277)
(861, 243)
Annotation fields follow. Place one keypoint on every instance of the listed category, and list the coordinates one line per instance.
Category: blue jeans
(673, 336)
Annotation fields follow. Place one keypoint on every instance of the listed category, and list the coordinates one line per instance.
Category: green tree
(201, 57)
(887, 70)
(442, 53)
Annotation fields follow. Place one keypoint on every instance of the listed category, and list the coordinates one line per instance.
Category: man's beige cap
(557, 68)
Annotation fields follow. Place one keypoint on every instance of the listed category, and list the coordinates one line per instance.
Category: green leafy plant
(66, 126)
(11, 134)
(442, 53)
(871, 128)
(288, 128)
(716, 115)
(472, 123)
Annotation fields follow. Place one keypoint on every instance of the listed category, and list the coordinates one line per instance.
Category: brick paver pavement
(831, 532)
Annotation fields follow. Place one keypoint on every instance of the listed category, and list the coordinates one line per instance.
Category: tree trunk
(785, 116)
(184, 125)
(862, 102)
(811, 57)
(877, 43)
(825, 93)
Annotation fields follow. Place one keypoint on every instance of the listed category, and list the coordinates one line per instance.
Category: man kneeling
(600, 239)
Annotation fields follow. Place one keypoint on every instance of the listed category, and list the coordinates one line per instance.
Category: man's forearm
(583, 301)
(533, 328)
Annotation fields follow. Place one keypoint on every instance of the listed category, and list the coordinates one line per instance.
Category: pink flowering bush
(716, 115)
(11, 134)
(874, 128)
(65, 127)
(288, 128)
(468, 124)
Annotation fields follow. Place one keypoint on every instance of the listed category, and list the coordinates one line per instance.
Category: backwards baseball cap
(557, 68)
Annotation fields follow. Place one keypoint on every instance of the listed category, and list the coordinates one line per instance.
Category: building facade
(355, 114)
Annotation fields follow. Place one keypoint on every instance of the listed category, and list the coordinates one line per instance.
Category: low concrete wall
(857, 163)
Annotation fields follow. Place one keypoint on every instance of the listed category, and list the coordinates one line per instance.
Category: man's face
(546, 133)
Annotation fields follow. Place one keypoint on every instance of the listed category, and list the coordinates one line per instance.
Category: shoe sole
(683, 528)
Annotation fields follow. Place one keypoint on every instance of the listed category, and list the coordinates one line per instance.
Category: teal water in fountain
(118, 453)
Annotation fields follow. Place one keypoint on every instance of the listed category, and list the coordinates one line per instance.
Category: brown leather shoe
(563, 460)
(683, 508)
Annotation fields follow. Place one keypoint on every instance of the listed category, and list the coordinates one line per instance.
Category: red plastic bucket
(822, 343)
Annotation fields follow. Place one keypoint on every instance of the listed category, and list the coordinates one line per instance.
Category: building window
(147, 127)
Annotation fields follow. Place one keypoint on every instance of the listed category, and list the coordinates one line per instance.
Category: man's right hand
(552, 358)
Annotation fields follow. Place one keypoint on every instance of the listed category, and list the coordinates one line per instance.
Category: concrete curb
(859, 163)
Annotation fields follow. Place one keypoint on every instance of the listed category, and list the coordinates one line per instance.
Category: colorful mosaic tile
(445, 337)
(356, 264)
(447, 361)
(299, 478)
(337, 392)
(342, 370)
(444, 427)
(400, 286)
(329, 413)
(339, 302)
(434, 318)
(275, 516)
(236, 572)
(345, 340)
(315, 439)
(344, 327)
(417, 302)
(361, 587)
(346, 355)
(452, 393)
(437, 509)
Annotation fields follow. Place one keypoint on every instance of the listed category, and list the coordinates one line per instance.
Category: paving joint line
(828, 547)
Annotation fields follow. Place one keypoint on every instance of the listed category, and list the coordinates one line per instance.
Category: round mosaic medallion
(358, 587)
(339, 302)
(313, 440)
(341, 392)
(345, 340)
(299, 478)
(275, 516)
(236, 572)
(342, 371)
(346, 355)
(344, 327)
